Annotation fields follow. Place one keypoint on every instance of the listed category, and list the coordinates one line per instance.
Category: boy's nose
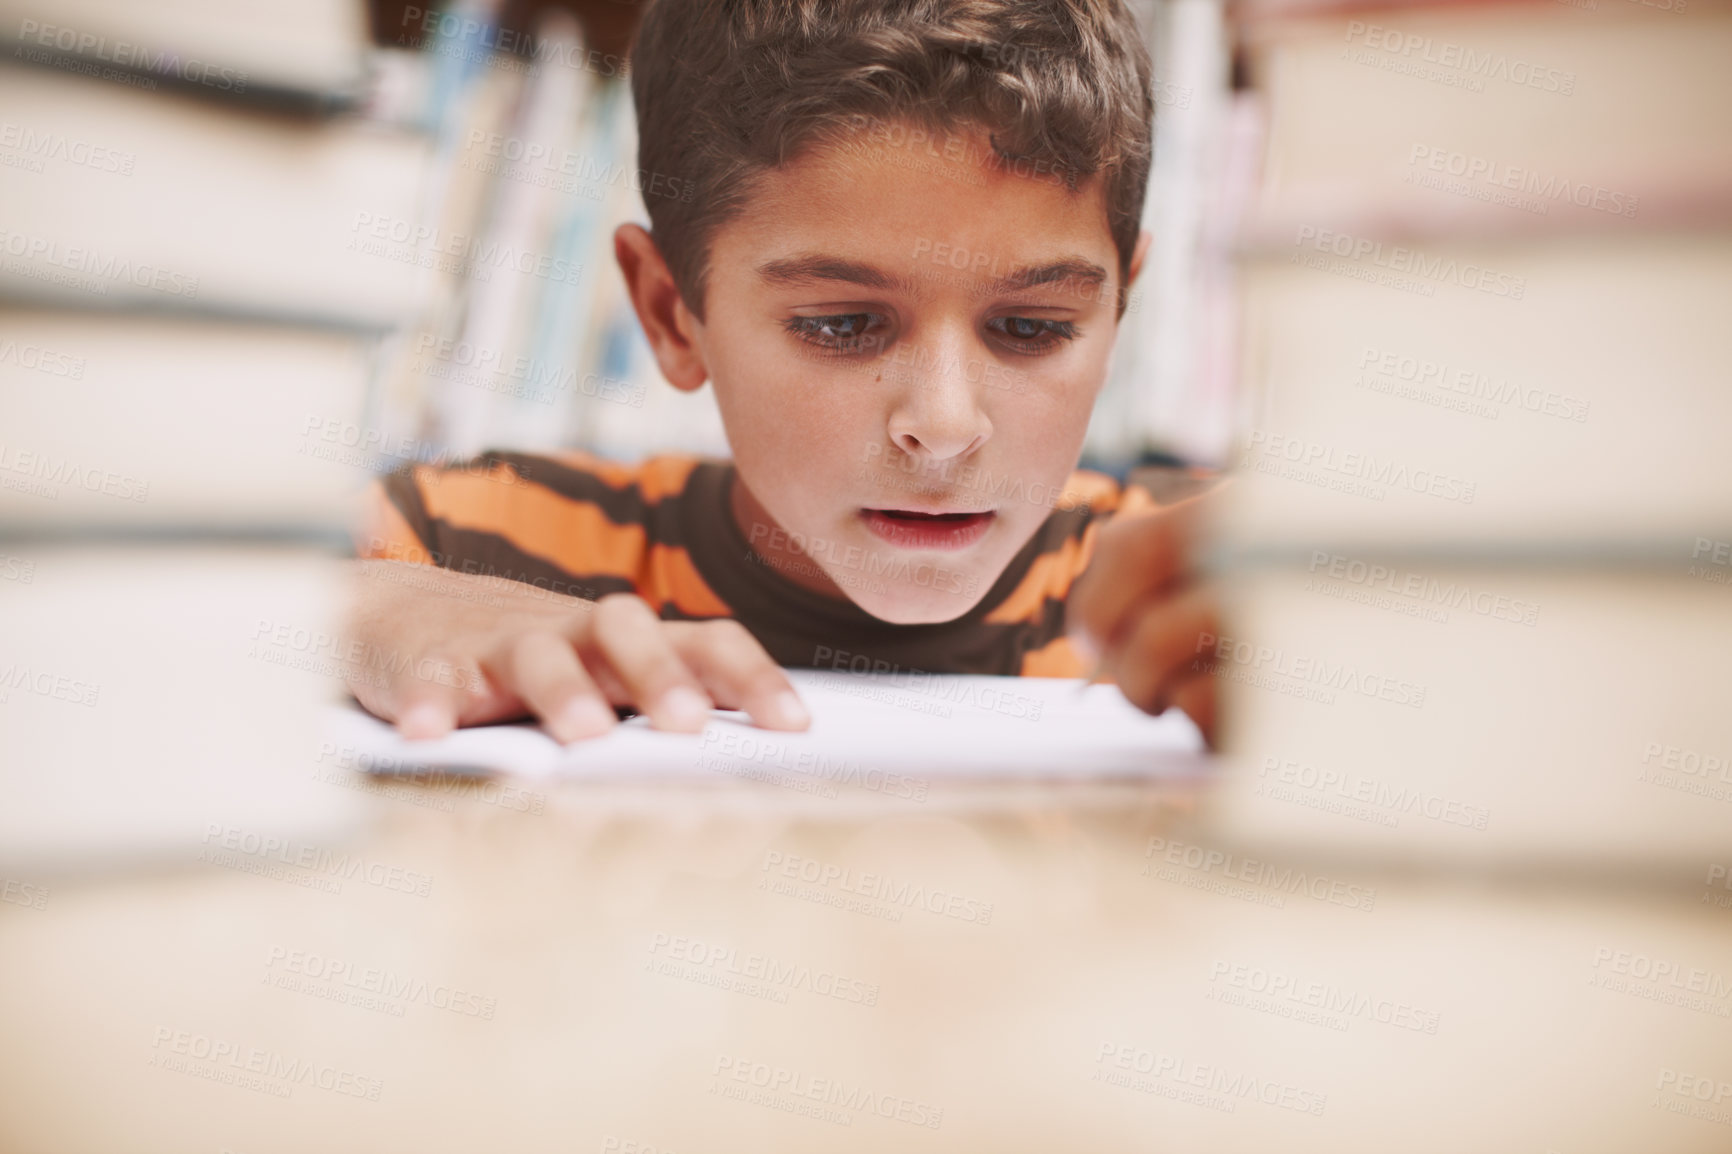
(938, 415)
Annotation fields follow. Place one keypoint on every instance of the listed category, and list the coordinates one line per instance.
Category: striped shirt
(663, 529)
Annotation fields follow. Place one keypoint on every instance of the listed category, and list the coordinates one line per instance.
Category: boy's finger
(740, 675)
(543, 670)
(1162, 642)
(426, 709)
(1196, 696)
(635, 644)
(1132, 560)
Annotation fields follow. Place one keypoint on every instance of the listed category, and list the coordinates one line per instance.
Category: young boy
(912, 229)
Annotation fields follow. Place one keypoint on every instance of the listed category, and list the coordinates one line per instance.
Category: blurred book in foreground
(1503, 713)
(149, 695)
(1473, 606)
(118, 199)
(300, 51)
(139, 422)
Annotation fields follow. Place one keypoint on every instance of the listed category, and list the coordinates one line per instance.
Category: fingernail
(584, 717)
(683, 709)
(786, 712)
(423, 722)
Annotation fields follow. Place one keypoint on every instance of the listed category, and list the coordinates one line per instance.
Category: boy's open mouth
(912, 529)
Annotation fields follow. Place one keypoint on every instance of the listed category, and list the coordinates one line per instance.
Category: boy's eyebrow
(1084, 272)
(797, 270)
(800, 269)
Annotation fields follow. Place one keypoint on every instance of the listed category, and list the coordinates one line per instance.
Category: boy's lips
(918, 529)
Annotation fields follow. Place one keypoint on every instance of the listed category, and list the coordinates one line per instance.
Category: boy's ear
(1144, 240)
(667, 322)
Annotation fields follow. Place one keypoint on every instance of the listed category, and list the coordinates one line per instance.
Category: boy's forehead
(887, 202)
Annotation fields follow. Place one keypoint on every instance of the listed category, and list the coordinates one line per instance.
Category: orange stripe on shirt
(1086, 487)
(1050, 575)
(575, 535)
(384, 534)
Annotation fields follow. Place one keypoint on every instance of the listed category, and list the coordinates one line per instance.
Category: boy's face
(906, 345)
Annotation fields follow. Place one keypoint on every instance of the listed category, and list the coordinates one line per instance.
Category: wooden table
(568, 968)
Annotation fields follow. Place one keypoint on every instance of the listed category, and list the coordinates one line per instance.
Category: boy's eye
(1031, 334)
(848, 332)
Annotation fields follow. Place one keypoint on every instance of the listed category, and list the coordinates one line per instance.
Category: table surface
(555, 967)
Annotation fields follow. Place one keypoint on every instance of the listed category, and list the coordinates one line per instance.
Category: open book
(890, 735)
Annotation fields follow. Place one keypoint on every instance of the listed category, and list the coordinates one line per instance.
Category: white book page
(930, 727)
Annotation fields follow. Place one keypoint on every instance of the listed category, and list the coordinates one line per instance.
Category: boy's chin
(908, 604)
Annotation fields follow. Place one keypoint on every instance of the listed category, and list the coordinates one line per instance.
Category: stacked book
(191, 318)
(1477, 552)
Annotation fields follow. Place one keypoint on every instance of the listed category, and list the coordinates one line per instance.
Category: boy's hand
(1140, 610)
(432, 650)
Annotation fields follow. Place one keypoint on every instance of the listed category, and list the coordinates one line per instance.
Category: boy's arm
(1140, 610)
(435, 649)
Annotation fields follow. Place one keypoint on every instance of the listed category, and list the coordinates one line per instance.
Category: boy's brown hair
(726, 89)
